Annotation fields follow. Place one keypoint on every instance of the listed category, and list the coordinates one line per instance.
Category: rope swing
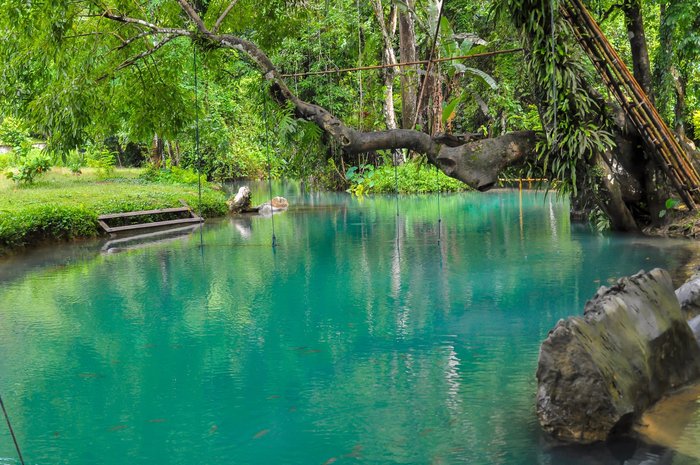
(197, 153)
(269, 163)
(12, 432)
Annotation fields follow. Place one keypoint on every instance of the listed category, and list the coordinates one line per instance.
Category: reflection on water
(359, 339)
(675, 422)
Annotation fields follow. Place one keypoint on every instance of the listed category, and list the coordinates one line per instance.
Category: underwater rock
(241, 202)
(598, 373)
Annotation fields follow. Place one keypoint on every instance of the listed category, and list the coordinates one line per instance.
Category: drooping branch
(476, 163)
(146, 24)
(142, 55)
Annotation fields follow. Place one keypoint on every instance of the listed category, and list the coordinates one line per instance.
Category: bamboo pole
(407, 63)
(672, 158)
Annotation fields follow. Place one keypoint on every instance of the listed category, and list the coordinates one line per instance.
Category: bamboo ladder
(634, 101)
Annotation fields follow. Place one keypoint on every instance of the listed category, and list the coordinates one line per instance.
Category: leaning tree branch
(221, 18)
(126, 42)
(143, 23)
(477, 163)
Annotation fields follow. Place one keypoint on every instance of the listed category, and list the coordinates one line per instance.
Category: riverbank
(64, 206)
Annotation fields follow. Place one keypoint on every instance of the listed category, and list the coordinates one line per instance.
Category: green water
(359, 339)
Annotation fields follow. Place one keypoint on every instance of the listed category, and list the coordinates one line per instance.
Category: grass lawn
(61, 205)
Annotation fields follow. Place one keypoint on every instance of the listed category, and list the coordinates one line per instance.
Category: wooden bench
(193, 218)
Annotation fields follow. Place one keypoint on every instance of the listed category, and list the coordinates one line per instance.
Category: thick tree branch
(192, 14)
(221, 18)
(476, 163)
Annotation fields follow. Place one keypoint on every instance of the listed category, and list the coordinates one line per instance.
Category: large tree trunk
(409, 75)
(388, 58)
(638, 44)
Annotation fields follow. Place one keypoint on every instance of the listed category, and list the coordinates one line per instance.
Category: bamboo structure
(636, 104)
(406, 63)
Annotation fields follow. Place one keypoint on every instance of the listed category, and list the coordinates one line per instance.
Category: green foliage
(598, 220)
(13, 131)
(30, 167)
(75, 161)
(413, 177)
(101, 159)
(5, 161)
(669, 205)
(696, 123)
(360, 179)
(576, 124)
(46, 221)
(172, 175)
(68, 207)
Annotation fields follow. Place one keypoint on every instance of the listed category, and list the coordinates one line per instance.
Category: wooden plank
(155, 224)
(104, 226)
(144, 212)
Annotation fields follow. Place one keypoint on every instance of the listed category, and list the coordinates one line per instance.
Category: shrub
(5, 161)
(30, 167)
(413, 177)
(172, 175)
(46, 221)
(100, 158)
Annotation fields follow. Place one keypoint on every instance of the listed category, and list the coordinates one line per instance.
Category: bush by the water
(412, 177)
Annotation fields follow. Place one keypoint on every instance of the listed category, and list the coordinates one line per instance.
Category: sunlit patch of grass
(62, 205)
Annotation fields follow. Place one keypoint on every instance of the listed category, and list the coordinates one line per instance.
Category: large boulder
(241, 201)
(597, 373)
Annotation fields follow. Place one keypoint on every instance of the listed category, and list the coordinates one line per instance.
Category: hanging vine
(575, 123)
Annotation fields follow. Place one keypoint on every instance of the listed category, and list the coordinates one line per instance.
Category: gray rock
(695, 327)
(241, 202)
(597, 373)
(689, 296)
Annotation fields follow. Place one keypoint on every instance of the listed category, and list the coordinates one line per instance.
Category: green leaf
(450, 108)
(485, 76)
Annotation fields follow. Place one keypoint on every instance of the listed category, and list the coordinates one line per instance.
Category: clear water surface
(360, 339)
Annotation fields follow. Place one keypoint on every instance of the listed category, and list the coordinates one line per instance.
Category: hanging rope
(269, 164)
(12, 432)
(359, 59)
(198, 154)
(437, 181)
(396, 183)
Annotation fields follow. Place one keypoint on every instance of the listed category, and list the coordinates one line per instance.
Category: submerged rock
(598, 373)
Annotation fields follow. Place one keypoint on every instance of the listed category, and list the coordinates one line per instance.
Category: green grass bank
(62, 206)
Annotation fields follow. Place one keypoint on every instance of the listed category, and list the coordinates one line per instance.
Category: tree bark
(407, 53)
(638, 44)
(388, 58)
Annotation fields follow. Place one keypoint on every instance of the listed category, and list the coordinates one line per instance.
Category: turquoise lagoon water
(360, 339)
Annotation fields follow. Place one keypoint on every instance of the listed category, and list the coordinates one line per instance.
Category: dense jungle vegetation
(107, 83)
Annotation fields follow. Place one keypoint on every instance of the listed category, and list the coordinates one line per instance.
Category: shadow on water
(623, 451)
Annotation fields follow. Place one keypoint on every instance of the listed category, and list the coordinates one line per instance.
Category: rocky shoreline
(597, 374)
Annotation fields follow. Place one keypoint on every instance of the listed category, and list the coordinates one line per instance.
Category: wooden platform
(191, 218)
